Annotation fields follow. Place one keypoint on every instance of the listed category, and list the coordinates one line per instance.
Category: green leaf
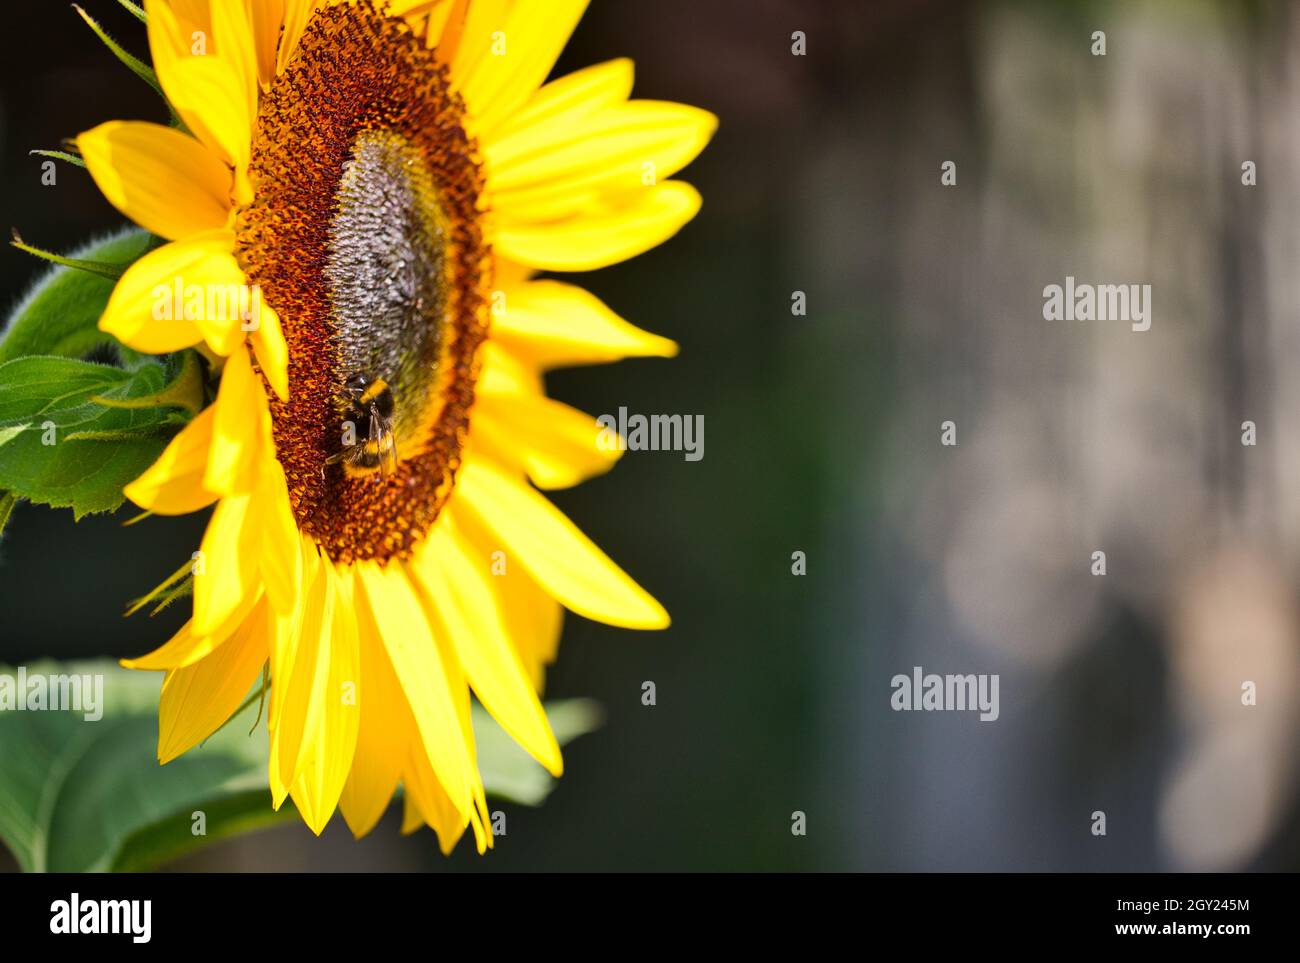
(508, 771)
(229, 815)
(74, 793)
(61, 448)
(7, 502)
(60, 315)
(77, 795)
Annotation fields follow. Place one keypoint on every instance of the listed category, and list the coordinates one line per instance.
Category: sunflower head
(381, 174)
(365, 230)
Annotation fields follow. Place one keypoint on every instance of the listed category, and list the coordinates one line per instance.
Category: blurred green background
(1118, 693)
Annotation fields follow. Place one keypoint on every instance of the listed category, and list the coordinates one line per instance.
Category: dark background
(1118, 693)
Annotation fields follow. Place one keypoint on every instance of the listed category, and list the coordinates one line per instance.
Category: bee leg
(375, 435)
(385, 445)
(388, 451)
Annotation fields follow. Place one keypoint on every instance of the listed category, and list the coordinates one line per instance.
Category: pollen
(364, 234)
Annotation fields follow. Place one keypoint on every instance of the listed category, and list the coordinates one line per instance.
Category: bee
(369, 401)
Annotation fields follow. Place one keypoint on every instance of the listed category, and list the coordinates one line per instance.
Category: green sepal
(60, 313)
(133, 64)
(62, 155)
(100, 268)
(135, 10)
(186, 390)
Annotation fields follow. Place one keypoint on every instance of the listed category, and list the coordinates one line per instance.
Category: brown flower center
(364, 236)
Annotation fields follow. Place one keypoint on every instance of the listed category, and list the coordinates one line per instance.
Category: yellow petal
(388, 608)
(331, 748)
(534, 619)
(232, 25)
(555, 553)
(283, 629)
(225, 306)
(471, 41)
(617, 150)
(412, 819)
(429, 18)
(173, 27)
(238, 429)
(503, 373)
(281, 555)
(417, 9)
(165, 181)
(568, 100)
(445, 28)
(144, 310)
(517, 59)
(447, 824)
(510, 274)
(383, 740)
(267, 17)
(456, 577)
(296, 15)
(557, 445)
(430, 802)
(427, 790)
(553, 324)
(606, 233)
(210, 78)
(297, 717)
(271, 349)
(198, 698)
(192, 14)
(229, 570)
(236, 616)
(182, 649)
(173, 485)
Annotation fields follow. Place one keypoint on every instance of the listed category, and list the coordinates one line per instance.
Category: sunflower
(387, 180)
